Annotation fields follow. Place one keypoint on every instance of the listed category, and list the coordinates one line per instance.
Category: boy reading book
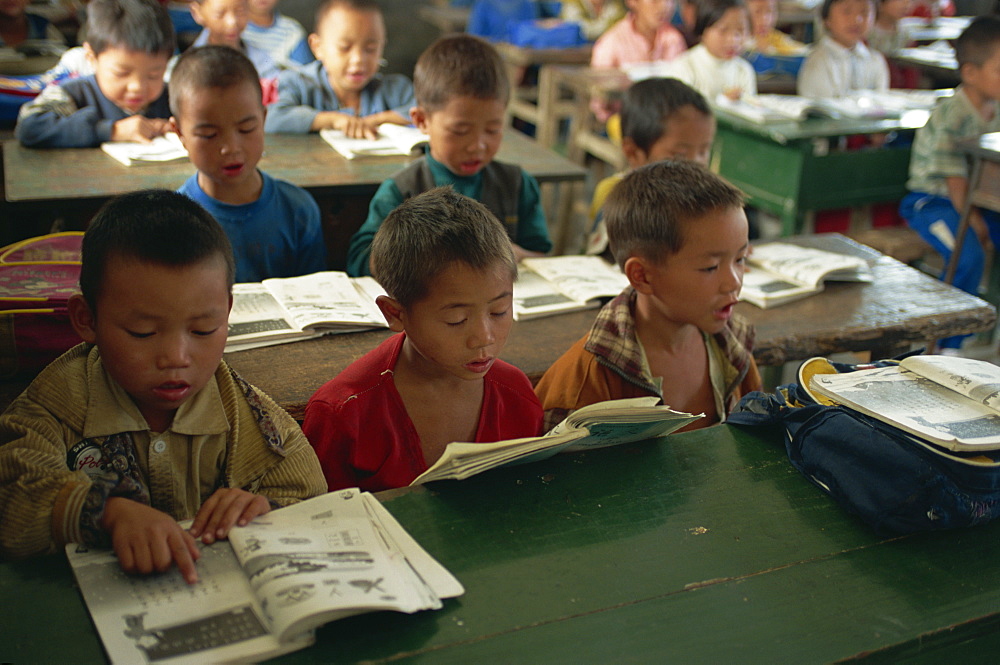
(679, 234)
(661, 119)
(273, 225)
(448, 269)
(129, 43)
(143, 424)
(939, 174)
(462, 93)
(343, 89)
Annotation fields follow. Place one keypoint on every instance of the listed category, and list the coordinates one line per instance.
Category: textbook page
(324, 299)
(976, 379)
(609, 423)
(162, 619)
(782, 272)
(582, 278)
(323, 559)
(392, 140)
(916, 404)
(258, 316)
(161, 150)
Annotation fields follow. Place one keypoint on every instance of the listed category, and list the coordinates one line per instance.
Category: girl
(714, 66)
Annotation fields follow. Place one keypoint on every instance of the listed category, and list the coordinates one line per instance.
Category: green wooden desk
(706, 547)
(788, 169)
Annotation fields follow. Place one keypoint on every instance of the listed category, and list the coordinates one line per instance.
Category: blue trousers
(936, 220)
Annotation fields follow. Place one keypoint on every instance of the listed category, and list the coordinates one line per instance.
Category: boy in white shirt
(840, 62)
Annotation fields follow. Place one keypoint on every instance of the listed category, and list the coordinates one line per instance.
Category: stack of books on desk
(263, 591)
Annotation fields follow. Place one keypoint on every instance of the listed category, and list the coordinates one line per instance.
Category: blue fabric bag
(531, 34)
(893, 481)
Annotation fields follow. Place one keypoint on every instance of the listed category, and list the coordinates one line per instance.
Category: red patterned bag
(37, 278)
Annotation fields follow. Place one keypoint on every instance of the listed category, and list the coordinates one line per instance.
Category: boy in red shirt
(448, 268)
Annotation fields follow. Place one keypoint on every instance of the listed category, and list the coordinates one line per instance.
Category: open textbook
(555, 284)
(294, 308)
(161, 150)
(392, 140)
(782, 272)
(599, 425)
(263, 591)
(859, 104)
(948, 401)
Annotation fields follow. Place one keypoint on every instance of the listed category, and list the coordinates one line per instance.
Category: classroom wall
(408, 34)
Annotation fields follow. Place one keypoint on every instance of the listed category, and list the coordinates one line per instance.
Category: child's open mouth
(479, 366)
(232, 169)
(172, 391)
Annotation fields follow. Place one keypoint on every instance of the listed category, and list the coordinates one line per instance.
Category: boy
(273, 225)
(343, 89)
(764, 36)
(282, 37)
(661, 119)
(224, 22)
(144, 424)
(939, 178)
(680, 236)
(840, 62)
(462, 92)
(448, 269)
(129, 43)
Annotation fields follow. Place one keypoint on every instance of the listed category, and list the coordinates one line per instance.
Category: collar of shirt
(110, 410)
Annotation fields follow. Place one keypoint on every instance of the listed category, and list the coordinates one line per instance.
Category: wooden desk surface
(901, 308)
(523, 56)
(705, 547)
(305, 160)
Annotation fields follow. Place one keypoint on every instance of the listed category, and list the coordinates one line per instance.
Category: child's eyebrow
(459, 305)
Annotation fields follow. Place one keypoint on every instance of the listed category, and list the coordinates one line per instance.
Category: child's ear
(195, 9)
(634, 155)
(315, 45)
(392, 311)
(172, 126)
(81, 317)
(419, 117)
(89, 54)
(637, 270)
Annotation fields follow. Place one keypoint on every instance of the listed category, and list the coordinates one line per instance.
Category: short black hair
(710, 12)
(647, 211)
(431, 231)
(824, 10)
(648, 105)
(136, 25)
(324, 8)
(459, 66)
(978, 41)
(155, 226)
(213, 66)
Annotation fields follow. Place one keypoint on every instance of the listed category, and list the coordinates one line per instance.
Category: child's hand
(733, 93)
(522, 253)
(355, 127)
(226, 508)
(139, 128)
(147, 540)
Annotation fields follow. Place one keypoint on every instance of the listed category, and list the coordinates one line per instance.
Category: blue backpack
(893, 481)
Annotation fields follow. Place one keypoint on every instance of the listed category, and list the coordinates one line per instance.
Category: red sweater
(364, 438)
